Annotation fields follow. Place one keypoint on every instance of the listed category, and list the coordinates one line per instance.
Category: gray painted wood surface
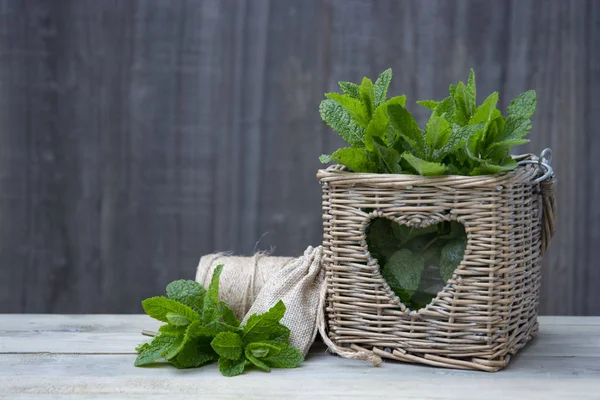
(136, 136)
(91, 356)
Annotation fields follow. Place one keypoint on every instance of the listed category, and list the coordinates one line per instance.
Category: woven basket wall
(487, 310)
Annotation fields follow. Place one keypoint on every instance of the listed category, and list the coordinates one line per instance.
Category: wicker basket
(487, 310)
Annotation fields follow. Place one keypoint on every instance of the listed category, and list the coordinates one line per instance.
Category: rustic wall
(136, 136)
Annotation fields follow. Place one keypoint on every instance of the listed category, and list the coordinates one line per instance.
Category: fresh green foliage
(201, 329)
(403, 253)
(460, 137)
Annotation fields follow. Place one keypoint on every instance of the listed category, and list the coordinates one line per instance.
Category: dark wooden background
(136, 136)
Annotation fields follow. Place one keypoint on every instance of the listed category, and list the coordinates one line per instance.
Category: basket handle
(547, 183)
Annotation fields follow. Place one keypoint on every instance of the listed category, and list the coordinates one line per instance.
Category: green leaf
(158, 307)
(431, 104)
(523, 106)
(389, 157)
(367, 96)
(354, 158)
(485, 111)
(464, 99)
(471, 86)
(231, 367)
(177, 319)
(188, 292)
(210, 311)
(515, 129)
(339, 120)
(172, 330)
(422, 167)
(355, 108)
(279, 333)
(407, 128)
(451, 257)
(458, 138)
(381, 86)
(405, 233)
(195, 353)
(256, 361)
(228, 345)
(378, 127)
(263, 349)
(486, 168)
(350, 89)
(260, 326)
(380, 240)
(437, 133)
(229, 316)
(288, 357)
(175, 347)
(153, 350)
(406, 268)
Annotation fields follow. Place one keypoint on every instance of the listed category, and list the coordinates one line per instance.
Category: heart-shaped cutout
(416, 262)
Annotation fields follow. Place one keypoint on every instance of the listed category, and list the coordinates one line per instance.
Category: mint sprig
(201, 329)
(459, 138)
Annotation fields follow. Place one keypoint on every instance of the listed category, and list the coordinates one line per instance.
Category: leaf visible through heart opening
(416, 262)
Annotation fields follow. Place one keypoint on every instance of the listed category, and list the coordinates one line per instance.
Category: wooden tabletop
(91, 356)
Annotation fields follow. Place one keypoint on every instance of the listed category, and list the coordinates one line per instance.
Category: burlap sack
(252, 285)
(298, 284)
(242, 277)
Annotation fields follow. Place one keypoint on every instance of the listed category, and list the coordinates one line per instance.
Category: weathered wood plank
(86, 356)
(114, 334)
(321, 376)
(136, 136)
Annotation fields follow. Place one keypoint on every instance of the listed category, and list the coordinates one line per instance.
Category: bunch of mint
(403, 254)
(460, 137)
(201, 329)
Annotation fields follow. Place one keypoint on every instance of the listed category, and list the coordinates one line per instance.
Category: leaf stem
(149, 333)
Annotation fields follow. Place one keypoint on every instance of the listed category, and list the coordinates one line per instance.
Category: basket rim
(523, 173)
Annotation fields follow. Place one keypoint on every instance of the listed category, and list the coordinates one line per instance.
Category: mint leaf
(229, 316)
(350, 89)
(464, 100)
(355, 108)
(431, 104)
(279, 333)
(367, 97)
(422, 167)
(485, 111)
(263, 349)
(172, 330)
(260, 326)
(381, 86)
(177, 319)
(354, 158)
(523, 106)
(458, 138)
(210, 310)
(378, 126)
(437, 133)
(158, 307)
(486, 168)
(231, 367)
(228, 345)
(288, 357)
(195, 353)
(153, 350)
(406, 128)
(451, 256)
(175, 347)
(188, 292)
(256, 361)
(339, 120)
(406, 268)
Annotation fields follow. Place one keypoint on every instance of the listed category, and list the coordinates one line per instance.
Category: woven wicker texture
(487, 310)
